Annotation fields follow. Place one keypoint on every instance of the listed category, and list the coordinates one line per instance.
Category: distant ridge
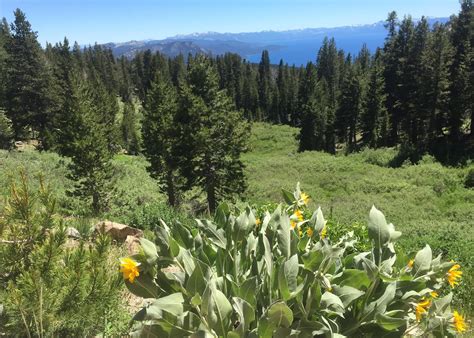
(297, 46)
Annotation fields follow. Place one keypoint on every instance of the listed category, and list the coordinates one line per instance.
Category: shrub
(469, 181)
(6, 132)
(280, 276)
(51, 286)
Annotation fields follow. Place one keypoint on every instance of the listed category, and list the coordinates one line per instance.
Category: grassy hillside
(427, 194)
(427, 202)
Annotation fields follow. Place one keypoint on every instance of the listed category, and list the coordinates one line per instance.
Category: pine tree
(161, 138)
(436, 61)
(91, 152)
(282, 103)
(313, 131)
(417, 119)
(462, 85)
(6, 132)
(130, 129)
(391, 57)
(328, 64)
(26, 88)
(347, 113)
(374, 118)
(293, 95)
(250, 94)
(265, 88)
(405, 84)
(217, 134)
(64, 102)
(4, 36)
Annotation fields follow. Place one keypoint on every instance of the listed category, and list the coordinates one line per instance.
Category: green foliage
(6, 132)
(162, 142)
(215, 135)
(148, 217)
(130, 129)
(433, 198)
(92, 146)
(469, 180)
(26, 83)
(229, 277)
(51, 285)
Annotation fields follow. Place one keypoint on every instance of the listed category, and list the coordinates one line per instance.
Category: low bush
(50, 285)
(469, 181)
(282, 275)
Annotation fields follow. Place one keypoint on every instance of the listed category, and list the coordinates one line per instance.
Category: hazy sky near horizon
(89, 21)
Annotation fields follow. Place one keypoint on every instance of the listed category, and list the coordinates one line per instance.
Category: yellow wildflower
(292, 224)
(129, 268)
(410, 263)
(295, 218)
(459, 322)
(309, 231)
(434, 294)
(258, 221)
(300, 232)
(454, 275)
(421, 308)
(305, 198)
(298, 215)
(324, 232)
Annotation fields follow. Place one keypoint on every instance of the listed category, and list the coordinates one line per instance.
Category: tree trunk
(95, 203)
(211, 196)
(170, 189)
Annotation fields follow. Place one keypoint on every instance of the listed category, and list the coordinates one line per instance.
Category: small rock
(132, 244)
(73, 233)
(117, 231)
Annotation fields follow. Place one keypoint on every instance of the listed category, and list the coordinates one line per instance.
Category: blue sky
(89, 21)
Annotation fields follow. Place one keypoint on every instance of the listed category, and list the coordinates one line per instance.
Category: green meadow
(428, 202)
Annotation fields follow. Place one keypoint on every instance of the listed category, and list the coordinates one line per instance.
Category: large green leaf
(149, 251)
(347, 294)
(185, 258)
(267, 256)
(312, 260)
(332, 302)
(278, 315)
(391, 321)
(352, 277)
(172, 304)
(183, 235)
(243, 224)
(283, 235)
(217, 309)
(310, 328)
(442, 305)
(317, 221)
(198, 280)
(221, 215)
(379, 231)
(216, 236)
(143, 286)
(288, 197)
(245, 311)
(248, 290)
(380, 305)
(423, 259)
(287, 278)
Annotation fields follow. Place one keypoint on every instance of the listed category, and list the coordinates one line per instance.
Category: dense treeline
(87, 105)
(416, 92)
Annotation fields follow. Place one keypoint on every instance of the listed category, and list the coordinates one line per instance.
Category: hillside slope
(427, 202)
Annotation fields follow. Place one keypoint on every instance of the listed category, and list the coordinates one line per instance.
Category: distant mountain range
(293, 46)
